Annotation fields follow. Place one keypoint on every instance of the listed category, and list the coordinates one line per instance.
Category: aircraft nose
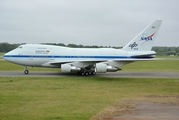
(6, 55)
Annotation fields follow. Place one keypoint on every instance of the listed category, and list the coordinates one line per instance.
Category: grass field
(153, 66)
(82, 98)
(76, 98)
(1, 54)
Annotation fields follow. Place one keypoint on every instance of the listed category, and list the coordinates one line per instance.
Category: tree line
(164, 51)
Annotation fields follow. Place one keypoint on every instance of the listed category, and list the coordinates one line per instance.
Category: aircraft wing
(87, 62)
(84, 62)
(130, 60)
(139, 57)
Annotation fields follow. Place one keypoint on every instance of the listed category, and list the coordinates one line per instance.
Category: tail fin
(144, 40)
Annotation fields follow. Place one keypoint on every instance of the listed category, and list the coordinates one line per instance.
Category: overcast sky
(87, 22)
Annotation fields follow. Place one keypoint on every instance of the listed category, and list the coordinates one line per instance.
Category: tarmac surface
(109, 74)
(150, 111)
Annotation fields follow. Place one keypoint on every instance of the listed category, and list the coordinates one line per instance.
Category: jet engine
(68, 68)
(102, 68)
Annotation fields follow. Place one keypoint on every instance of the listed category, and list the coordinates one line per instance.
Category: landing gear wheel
(82, 73)
(86, 73)
(26, 72)
(93, 72)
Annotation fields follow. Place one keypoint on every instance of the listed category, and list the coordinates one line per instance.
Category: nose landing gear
(26, 71)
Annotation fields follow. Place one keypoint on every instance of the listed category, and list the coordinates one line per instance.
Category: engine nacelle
(102, 68)
(68, 68)
(112, 69)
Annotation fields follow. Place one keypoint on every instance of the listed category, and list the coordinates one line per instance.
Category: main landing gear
(26, 71)
(86, 73)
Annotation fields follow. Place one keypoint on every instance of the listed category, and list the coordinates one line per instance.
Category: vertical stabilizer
(144, 40)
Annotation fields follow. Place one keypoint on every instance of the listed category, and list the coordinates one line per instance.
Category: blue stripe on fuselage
(44, 56)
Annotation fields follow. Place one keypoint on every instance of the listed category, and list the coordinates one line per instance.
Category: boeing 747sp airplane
(86, 61)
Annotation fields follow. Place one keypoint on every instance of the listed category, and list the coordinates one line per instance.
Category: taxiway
(109, 74)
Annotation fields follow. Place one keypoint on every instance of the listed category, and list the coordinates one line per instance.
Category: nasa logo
(133, 45)
(146, 37)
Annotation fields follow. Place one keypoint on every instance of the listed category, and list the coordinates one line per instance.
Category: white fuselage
(44, 55)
